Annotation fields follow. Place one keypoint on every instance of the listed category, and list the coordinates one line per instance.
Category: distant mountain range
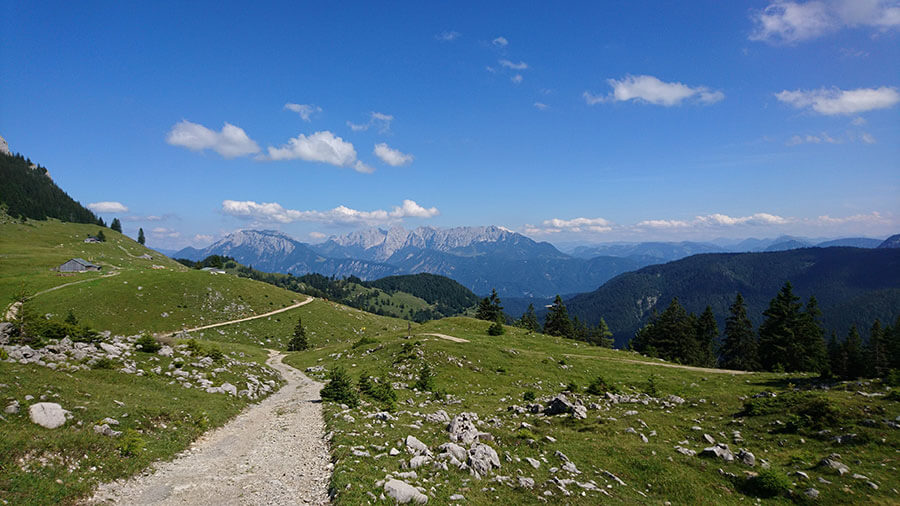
(852, 285)
(480, 258)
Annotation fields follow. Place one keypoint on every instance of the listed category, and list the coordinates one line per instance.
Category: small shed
(77, 265)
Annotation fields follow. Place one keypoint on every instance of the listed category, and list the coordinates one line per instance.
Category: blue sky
(591, 122)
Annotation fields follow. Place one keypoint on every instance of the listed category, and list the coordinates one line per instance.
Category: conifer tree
(101, 236)
(299, 341)
(739, 348)
(601, 335)
(529, 320)
(707, 335)
(141, 238)
(837, 361)
(778, 334)
(671, 335)
(489, 308)
(855, 355)
(557, 322)
(877, 351)
(810, 347)
(116, 225)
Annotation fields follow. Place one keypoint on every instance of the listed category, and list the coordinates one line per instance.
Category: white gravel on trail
(273, 453)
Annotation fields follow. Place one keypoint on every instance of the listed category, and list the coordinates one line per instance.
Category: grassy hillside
(130, 294)
(488, 375)
(852, 285)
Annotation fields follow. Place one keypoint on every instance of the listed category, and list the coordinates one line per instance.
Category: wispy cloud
(447, 36)
(783, 22)
(541, 106)
(500, 41)
(512, 65)
(108, 207)
(576, 225)
(834, 101)
(304, 110)
(516, 78)
(230, 142)
(652, 90)
(392, 157)
(811, 139)
(272, 212)
(376, 119)
(165, 233)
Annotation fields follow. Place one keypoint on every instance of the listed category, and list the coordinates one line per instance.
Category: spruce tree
(877, 351)
(529, 320)
(810, 347)
(101, 236)
(489, 309)
(116, 225)
(601, 335)
(855, 355)
(671, 335)
(557, 322)
(739, 348)
(837, 361)
(141, 238)
(778, 334)
(707, 335)
(299, 341)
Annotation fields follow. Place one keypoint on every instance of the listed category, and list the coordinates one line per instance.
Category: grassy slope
(134, 299)
(495, 373)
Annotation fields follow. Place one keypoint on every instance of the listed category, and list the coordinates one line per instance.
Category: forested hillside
(27, 191)
(449, 297)
(852, 285)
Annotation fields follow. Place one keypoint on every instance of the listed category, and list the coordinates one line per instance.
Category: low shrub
(496, 329)
(214, 353)
(340, 388)
(103, 363)
(364, 341)
(425, 382)
(600, 386)
(148, 344)
(3, 354)
(572, 387)
(131, 444)
(528, 396)
(767, 484)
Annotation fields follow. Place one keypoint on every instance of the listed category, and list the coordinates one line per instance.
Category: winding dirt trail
(220, 324)
(445, 336)
(273, 453)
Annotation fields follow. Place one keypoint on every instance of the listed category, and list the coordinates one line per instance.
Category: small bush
(528, 396)
(214, 353)
(131, 444)
(340, 388)
(193, 346)
(364, 341)
(768, 483)
(572, 387)
(600, 386)
(526, 434)
(103, 363)
(652, 388)
(3, 354)
(893, 396)
(893, 378)
(148, 344)
(496, 329)
(425, 382)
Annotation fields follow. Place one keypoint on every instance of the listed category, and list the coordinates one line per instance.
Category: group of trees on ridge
(790, 338)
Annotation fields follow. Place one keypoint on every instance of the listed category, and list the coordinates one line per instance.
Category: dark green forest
(448, 296)
(853, 286)
(28, 192)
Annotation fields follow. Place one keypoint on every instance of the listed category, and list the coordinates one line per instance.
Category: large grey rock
(166, 351)
(439, 416)
(462, 429)
(47, 414)
(746, 457)
(482, 458)
(403, 492)
(228, 388)
(720, 451)
(416, 447)
(111, 349)
(833, 462)
(12, 408)
(106, 430)
(454, 450)
(559, 405)
(526, 482)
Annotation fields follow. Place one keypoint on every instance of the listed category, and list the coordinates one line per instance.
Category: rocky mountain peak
(4, 147)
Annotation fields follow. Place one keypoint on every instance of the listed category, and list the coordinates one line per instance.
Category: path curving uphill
(273, 453)
(229, 322)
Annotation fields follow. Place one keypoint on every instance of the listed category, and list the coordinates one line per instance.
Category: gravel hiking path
(270, 313)
(445, 336)
(274, 453)
(13, 308)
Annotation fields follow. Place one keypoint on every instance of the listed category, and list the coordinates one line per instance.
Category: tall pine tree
(601, 335)
(141, 238)
(116, 225)
(707, 336)
(299, 341)
(529, 320)
(778, 334)
(877, 351)
(739, 348)
(489, 308)
(557, 322)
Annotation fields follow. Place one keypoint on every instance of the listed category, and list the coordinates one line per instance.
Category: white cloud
(447, 36)
(754, 219)
(203, 238)
(273, 212)
(557, 225)
(322, 147)
(382, 121)
(317, 235)
(835, 101)
(791, 22)
(167, 233)
(867, 138)
(515, 66)
(516, 78)
(812, 139)
(304, 110)
(500, 41)
(871, 218)
(392, 157)
(230, 142)
(653, 91)
(107, 207)
(541, 106)
(662, 224)
(858, 121)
